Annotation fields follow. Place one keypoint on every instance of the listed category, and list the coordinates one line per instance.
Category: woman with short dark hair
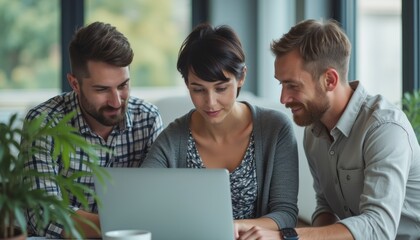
(256, 145)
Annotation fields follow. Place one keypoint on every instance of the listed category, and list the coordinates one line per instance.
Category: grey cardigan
(276, 161)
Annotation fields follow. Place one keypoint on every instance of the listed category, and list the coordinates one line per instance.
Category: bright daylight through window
(379, 48)
(30, 66)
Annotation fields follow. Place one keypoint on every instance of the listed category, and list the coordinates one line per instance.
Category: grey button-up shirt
(368, 171)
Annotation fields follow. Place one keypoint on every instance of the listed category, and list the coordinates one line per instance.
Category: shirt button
(348, 177)
(346, 208)
(332, 152)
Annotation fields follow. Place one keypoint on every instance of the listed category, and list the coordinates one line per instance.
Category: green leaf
(411, 107)
(16, 182)
(20, 217)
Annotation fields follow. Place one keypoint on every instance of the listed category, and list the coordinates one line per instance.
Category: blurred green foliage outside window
(30, 39)
(29, 44)
(155, 29)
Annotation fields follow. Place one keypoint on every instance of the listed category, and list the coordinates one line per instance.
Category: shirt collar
(347, 119)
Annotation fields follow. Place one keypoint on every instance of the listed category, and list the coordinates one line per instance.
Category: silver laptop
(172, 203)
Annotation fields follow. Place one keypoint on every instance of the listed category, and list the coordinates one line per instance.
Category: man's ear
(331, 79)
(74, 84)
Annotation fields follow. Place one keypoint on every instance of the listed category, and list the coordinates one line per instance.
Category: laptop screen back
(172, 203)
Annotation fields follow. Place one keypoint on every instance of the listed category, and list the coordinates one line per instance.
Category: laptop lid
(172, 203)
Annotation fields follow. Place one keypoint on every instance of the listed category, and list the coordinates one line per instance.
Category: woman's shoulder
(180, 124)
(268, 114)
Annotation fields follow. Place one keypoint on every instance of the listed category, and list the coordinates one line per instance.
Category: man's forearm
(324, 219)
(335, 231)
(325, 227)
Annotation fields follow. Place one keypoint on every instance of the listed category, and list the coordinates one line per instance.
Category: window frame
(345, 12)
(72, 17)
(410, 45)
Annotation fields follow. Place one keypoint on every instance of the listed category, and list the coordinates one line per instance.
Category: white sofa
(176, 106)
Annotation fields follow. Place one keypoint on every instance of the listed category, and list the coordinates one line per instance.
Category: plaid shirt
(129, 142)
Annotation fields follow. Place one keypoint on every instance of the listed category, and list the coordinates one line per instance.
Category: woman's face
(213, 100)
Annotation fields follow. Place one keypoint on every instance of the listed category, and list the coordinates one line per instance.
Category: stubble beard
(99, 116)
(313, 111)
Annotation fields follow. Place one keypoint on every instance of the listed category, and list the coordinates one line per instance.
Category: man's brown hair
(321, 45)
(98, 42)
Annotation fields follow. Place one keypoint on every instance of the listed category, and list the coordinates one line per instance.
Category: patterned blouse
(243, 180)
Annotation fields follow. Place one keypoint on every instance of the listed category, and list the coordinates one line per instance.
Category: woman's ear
(242, 80)
(74, 84)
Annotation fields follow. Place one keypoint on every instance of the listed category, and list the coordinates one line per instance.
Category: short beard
(313, 111)
(98, 115)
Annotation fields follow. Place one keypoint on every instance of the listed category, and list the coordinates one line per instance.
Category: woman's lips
(212, 113)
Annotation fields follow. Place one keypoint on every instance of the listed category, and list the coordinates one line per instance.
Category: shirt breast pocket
(351, 181)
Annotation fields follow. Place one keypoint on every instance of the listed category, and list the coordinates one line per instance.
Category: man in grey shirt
(362, 151)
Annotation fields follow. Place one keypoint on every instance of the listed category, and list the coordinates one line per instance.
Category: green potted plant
(411, 107)
(16, 191)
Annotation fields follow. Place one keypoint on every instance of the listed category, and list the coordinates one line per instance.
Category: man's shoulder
(380, 109)
(56, 106)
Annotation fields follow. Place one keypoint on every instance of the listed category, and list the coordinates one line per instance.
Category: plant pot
(18, 235)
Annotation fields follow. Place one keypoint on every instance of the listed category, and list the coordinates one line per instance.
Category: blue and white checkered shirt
(129, 143)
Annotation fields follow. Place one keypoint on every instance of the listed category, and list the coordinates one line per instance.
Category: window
(155, 29)
(30, 52)
(30, 67)
(30, 47)
(379, 47)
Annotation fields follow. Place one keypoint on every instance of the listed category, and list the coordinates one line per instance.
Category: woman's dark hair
(208, 51)
(98, 42)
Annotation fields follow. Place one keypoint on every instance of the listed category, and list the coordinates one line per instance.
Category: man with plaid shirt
(106, 114)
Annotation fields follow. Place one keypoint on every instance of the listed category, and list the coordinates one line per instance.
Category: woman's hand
(256, 233)
(240, 227)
